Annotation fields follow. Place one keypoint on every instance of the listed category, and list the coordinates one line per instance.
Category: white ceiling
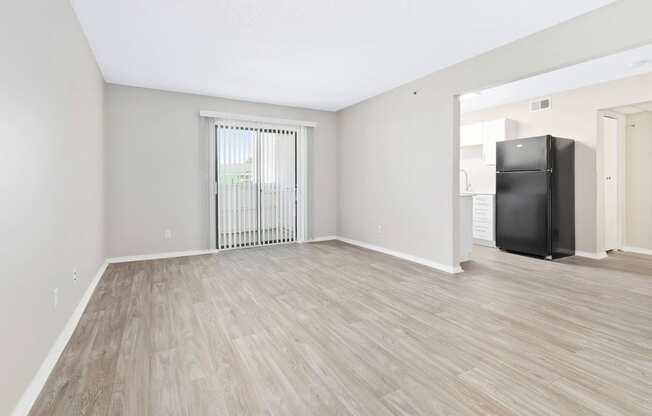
(621, 65)
(308, 53)
(634, 109)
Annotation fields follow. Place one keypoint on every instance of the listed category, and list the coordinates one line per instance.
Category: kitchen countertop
(475, 193)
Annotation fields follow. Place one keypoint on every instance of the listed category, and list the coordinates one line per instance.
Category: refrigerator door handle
(518, 171)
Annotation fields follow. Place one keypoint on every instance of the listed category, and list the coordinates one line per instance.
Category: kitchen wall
(157, 168)
(51, 181)
(573, 115)
(398, 159)
(638, 215)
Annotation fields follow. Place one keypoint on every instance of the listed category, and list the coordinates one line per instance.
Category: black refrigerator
(535, 196)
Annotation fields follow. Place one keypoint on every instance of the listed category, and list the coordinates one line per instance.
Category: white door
(611, 225)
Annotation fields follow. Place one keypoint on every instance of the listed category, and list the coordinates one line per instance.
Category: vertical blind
(259, 183)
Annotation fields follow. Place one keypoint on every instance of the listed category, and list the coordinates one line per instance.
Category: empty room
(408, 207)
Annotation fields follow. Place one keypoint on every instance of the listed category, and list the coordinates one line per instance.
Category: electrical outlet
(75, 276)
(55, 295)
(167, 234)
(380, 229)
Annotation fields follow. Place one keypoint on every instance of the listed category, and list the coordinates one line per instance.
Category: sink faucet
(467, 184)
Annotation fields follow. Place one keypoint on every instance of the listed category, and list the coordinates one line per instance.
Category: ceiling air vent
(540, 105)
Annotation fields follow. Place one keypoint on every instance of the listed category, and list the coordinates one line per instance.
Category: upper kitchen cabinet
(471, 135)
(496, 131)
(487, 134)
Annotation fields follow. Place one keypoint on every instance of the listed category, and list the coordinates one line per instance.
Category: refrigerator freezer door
(523, 154)
(522, 212)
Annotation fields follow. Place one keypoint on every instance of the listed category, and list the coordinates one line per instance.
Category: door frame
(622, 178)
(301, 160)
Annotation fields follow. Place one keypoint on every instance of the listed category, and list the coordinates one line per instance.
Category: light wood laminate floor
(332, 329)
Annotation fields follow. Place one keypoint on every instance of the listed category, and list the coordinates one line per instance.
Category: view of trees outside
(256, 185)
(236, 151)
(236, 163)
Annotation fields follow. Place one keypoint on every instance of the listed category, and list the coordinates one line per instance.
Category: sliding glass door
(256, 176)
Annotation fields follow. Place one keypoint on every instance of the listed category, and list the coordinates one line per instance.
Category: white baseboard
(322, 238)
(638, 250)
(171, 254)
(408, 257)
(596, 256)
(484, 243)
(156, 256)
(404, 256)
(36, 385)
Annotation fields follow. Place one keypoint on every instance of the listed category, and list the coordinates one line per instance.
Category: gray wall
(157, 168)
(574, 115)
(397, 157)
(51, 181)
(638, 212)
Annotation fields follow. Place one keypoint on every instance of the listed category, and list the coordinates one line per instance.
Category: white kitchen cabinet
(484, 226)
(471, 135)
(487, 134)
(495, 131)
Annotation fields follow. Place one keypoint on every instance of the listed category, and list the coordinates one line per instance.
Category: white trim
(302, 184)
(484, 243)
(38, 382)
(212, 185)
(246, 117)
(322, 238)
(597, 256)
(622, 178)
(456, 220)
(156, 256)
(637, 250)
(408, 257)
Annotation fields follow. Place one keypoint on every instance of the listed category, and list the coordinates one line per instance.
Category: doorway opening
(612, 178)
(559, 104)
(626, 151)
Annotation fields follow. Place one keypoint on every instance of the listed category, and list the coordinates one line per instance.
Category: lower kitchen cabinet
(484, 224)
